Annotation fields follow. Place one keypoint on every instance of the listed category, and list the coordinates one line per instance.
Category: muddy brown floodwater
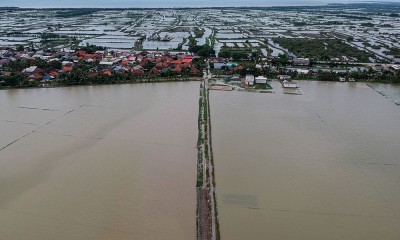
(99, 162)
(322, 165)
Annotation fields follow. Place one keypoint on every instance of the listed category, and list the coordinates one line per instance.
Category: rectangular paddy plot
(322, 165)
(109, 162)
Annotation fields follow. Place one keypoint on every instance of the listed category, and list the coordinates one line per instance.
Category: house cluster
(250, 80)
(377, 68)
(222, 63)
(48, 65)
(145, 63)
(43, 75)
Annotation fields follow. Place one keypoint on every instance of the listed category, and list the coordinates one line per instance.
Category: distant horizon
(174, 3)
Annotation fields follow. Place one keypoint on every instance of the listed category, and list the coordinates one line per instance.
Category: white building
(284, 77)
(301, 61)
(261, 80)
(109, 61)
(30, 69)
(395, 67)
(289, 84)
(302, 71)
(249, 80)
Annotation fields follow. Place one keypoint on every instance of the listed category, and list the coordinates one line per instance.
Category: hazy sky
(162, 3)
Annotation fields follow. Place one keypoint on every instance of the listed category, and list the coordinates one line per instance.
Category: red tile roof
(137, 72)
(68, 68)
(178, 69)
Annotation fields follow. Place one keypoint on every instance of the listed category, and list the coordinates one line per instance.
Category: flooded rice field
(99, 162)
(321, 165)
(234, 25)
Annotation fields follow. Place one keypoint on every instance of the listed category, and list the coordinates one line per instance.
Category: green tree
(20, 48)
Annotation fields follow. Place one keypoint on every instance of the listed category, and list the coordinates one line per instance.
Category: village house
(302, 71)
(29, 70)
(289, 84)
(218, 62)
(378, 68)
(395, 67)
(298, 70)
(301, 61)
(284, 77)
(34, 73)
(261, 80)
(235, 77)
(249, 81)
(68, 67)
(109, 61)
(335, 59)
(3, 61)
(138, 71)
